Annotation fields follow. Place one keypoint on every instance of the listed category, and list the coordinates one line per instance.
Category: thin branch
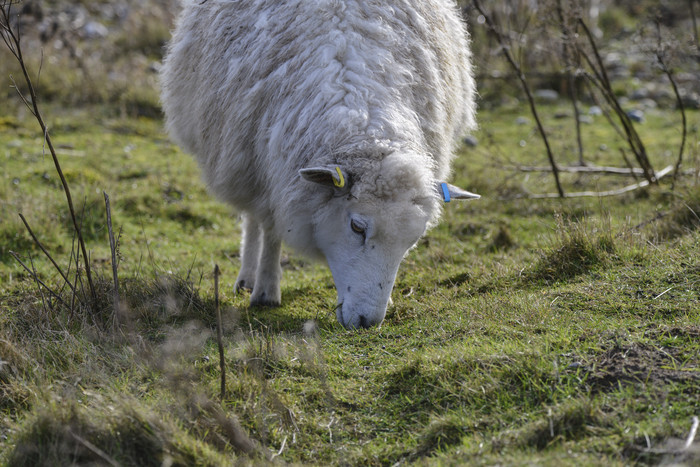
(526, 88)
(99, 452)
(583, 169)
(669, 74)
(602, 81)
(21, 96)
(233, 431)
(48, 255)
(38, 286)
(691, 435)
(601, 194)
(17, 52)
(590, 80)
(695, 24)
(36, 278)
(219, 332)
(113, 249)
(629, 164)
(688, 442)
(570, 77)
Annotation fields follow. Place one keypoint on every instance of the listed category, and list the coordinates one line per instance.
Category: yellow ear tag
(340, 182)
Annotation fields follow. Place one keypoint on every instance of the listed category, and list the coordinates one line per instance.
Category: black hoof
(263, 301)
(240, 285)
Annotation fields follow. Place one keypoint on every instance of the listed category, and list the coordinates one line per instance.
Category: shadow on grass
(299, 306)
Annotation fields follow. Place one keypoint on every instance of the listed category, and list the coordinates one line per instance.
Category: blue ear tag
(445, 192)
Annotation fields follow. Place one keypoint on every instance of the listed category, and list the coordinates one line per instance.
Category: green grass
(522, 331)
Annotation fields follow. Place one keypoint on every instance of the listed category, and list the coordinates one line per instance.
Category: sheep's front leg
(250, 254)
(269, 275)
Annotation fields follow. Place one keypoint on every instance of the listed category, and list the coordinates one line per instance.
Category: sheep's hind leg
(269, 275)
(250, 254)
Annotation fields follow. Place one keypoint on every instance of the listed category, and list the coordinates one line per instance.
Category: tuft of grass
(570, 421)
(502, 239)
(683, 218)
(65, 433)
(577, 250)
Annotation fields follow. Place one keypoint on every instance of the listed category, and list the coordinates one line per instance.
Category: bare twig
(693, 432)
(233, 431)
(591, 84)
(601, 80)
(583, 169)
(601, 194)
(219, 332)
(521, 77)
(99, 452)
(12, 40)
(669, 74)
(113, 249)
(279, 453)
(570, 57)
(48, 255)
(38, 281)
(688, 442)
(629, 164)
(695, 24)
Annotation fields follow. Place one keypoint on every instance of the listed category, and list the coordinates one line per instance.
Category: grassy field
(522, 331)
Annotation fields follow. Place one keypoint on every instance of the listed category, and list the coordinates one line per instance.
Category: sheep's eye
(357, 227)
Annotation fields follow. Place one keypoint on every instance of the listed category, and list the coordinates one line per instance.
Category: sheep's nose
(363, 322)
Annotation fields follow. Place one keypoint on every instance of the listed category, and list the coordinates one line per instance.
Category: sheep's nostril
(363, 322)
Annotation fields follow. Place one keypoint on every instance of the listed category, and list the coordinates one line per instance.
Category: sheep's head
(376, 215)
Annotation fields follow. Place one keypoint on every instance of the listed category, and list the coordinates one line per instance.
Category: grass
(522, 331)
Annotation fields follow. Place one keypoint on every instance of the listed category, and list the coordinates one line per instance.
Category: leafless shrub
(526, 88)
(11, 36)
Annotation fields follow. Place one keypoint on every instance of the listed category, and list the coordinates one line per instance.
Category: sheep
(329, 124)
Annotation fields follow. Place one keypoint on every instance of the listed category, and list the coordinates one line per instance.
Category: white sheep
(329, 124)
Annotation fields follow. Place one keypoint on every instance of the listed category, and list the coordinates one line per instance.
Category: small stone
(691, 100)
(471, 141)
(636, 115)
(648, 104)
(595, 111)
(522, 121)
(155, 67)
(94, 30)
(547, 94)
(639, 94)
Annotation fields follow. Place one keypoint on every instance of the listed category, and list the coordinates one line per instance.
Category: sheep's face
(368, 225)
(366, 228)
(364, 242)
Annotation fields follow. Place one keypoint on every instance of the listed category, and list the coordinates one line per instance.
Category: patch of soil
(640, 363)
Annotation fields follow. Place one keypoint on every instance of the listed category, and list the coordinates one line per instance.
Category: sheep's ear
(329, 175)
(449, 192)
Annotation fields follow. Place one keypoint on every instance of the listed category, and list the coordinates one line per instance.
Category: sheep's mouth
(339, 314)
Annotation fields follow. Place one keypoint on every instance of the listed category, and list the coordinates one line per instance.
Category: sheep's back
(258, 89)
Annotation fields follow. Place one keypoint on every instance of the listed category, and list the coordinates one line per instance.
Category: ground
(522, 331)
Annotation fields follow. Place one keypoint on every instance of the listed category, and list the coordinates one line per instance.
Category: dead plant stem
(219, 332)
(12, 40)
(669, 74)
(526, 88)
(113, 249)
(602, 81)
(38, 281)
(43, 249)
